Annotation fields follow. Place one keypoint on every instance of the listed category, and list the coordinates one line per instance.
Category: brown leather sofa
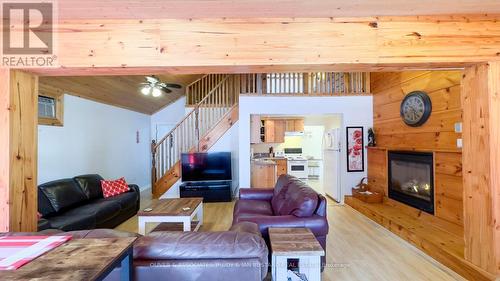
(78, 203)
(292, 203)
(237, 254)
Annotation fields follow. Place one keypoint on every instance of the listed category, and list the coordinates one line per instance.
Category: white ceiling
(162, 9)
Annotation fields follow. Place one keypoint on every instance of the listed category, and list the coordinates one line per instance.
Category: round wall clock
(416, 108)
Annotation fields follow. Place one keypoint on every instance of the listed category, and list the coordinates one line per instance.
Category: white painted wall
(355, 110)
(230, 142)
(168, 116)
(95, 138)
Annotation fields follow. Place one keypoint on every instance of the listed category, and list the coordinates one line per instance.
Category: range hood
(292, 134)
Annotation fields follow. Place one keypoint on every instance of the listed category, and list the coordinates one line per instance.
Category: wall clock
(416, 108)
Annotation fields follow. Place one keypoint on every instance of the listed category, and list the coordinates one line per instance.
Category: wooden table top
(294, 241)
(172, 207)
(78, 259)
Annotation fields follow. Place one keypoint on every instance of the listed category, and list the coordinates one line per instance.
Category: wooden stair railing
(305, 84)
(191, 133)
(196, 91)
(285, 84)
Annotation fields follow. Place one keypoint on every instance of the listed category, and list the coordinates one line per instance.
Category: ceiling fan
(153, 86)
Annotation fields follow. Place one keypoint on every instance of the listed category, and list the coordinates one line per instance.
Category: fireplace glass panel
(412, 178)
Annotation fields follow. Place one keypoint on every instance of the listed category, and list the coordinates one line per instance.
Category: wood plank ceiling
(120, 91)
(178, 9)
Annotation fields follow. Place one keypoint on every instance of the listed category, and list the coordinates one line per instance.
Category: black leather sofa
(78, 204)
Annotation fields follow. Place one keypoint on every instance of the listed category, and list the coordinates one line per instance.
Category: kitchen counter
(269, 158)
(264, 162)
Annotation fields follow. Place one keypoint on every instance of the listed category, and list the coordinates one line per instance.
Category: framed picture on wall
(355, 149)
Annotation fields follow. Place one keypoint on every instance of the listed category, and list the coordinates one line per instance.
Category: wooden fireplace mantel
(385, 148)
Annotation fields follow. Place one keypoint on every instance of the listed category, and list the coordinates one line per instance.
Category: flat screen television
(206, 166)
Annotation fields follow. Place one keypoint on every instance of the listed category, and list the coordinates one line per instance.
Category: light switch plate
(459, 143)
(458, 127)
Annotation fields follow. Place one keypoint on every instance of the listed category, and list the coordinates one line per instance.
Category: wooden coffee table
(79, 259)
(297, 244)
(171, 210)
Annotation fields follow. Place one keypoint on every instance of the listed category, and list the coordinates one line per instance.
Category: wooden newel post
(153, 164)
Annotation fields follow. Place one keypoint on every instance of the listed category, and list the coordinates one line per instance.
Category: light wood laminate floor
(357, 248)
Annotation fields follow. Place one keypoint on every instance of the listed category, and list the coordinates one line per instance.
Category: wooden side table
(79, 259)
(171, 210)
(295, 244)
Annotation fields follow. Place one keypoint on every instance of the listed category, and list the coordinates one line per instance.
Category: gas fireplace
(411, 179)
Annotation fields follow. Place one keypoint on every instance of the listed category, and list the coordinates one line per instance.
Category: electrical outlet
(458, 127)
(459, 143)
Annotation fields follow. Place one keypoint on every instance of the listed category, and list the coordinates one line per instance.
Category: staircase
(214, 99)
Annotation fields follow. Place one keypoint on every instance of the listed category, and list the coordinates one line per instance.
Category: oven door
(297, 169)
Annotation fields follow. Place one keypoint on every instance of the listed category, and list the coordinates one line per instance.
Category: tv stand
(211, 191)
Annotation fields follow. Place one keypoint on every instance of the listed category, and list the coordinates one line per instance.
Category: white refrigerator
(331, 164)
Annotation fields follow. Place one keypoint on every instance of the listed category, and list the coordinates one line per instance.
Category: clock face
(416, 108)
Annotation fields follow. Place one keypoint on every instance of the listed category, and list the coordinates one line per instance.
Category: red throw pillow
(112, 188)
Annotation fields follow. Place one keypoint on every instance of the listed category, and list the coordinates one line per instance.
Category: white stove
(296, 163)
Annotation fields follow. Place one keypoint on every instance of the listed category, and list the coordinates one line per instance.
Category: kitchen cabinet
(299, 125)
(255, 129)
(274, 130)
(263, 174)
(294, 125)
(281, 166)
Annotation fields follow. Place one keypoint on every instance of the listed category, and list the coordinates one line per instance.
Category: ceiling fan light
(157, 92)
(146, 90)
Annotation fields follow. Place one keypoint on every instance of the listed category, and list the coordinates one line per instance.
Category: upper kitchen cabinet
(256, 132)
(294, 125)
(274, 130)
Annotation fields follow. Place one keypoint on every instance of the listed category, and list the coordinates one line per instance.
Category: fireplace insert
(411, 179)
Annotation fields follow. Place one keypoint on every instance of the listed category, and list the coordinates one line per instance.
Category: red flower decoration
(356, 134)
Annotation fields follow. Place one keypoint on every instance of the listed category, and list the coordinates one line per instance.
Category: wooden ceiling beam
(118, 71)
(258, 45)
(147, 9)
